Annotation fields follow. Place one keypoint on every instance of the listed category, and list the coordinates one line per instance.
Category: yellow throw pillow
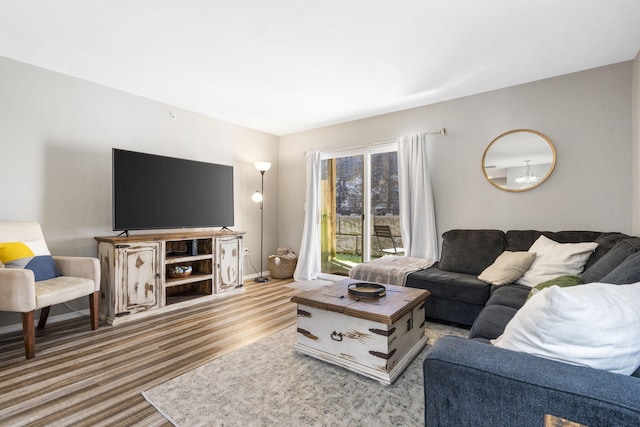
(32, 255)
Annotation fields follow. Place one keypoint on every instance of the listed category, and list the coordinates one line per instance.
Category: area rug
(269, 384)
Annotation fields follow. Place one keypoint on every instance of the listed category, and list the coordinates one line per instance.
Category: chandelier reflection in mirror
(502, 160)
(527, 177)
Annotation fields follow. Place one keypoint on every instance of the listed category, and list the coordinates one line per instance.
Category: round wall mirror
(519, 160)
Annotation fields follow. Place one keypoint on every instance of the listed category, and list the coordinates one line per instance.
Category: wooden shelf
(187, 258)
(185, 296)
(195, 277)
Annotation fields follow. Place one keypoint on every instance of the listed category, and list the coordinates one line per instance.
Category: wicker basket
(284, 270)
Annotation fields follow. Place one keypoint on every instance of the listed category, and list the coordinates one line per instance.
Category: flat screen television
(153, 192)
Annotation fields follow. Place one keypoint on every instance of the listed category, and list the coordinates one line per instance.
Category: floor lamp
(258, 198)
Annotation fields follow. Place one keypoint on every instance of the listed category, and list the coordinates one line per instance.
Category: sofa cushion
(450, 285)
(555, 259)
(561, 281)
(503, 304)
(31, 255)
(507, 268)
(470, 251)
(521, 240)
(491, 321)
(511, 295)
(606, 242)
(627, 272)
(594, 325)
(611, 260)
(61, 289)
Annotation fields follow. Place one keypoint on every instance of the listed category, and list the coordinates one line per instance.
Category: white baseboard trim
(52, 319)
(253, 276)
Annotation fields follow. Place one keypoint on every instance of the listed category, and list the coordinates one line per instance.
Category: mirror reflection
(519, 160)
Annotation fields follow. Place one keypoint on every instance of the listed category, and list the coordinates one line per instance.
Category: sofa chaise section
(470, 383)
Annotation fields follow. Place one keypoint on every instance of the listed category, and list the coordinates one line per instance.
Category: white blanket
(389, 269)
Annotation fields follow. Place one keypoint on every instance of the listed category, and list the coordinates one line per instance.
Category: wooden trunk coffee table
(375, 337)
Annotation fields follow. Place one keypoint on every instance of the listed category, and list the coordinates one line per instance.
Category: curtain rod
(442, 132)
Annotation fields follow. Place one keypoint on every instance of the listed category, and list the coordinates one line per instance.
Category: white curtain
(417, 213)
(308, 266)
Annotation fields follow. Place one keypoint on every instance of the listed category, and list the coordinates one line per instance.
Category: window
(359, 189)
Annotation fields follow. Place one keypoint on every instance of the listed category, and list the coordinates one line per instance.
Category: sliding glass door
(342, 213)
(385, 205)
(359, 189)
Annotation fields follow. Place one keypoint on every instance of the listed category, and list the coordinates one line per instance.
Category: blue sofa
(469, 382)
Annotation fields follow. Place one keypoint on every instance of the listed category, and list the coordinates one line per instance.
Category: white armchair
(19, 292)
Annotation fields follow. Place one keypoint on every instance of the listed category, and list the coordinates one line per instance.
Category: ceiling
(283, 66)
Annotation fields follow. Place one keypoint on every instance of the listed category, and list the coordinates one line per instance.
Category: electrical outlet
(246, 251)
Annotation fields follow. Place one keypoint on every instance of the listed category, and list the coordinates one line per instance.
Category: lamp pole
(262, 168)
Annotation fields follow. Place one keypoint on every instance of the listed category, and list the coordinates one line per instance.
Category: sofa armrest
(17, 290)
(470, 383)
(85, 267)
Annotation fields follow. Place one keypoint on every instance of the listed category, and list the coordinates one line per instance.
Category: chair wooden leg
(29, 333)
(93, 309)
(44, 315)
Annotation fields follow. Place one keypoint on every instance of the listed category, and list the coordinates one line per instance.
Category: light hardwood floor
(95, 378)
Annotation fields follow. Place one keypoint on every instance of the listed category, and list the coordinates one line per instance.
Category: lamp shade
(257, 197)
(262, 166)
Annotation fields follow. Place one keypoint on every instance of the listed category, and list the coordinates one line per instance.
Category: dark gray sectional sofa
(457, 295)
(468, 382)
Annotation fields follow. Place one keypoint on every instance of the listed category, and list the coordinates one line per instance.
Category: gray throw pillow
(627, 272)
(611, 260)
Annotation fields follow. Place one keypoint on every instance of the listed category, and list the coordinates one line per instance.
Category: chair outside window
(24, 288)
(385, 239)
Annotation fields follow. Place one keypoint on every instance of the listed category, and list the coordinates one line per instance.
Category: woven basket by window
(284, 270)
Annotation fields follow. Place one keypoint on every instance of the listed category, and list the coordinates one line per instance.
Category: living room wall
(587, 115)
(56, 136)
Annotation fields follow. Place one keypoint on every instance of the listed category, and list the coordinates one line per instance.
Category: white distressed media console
(134, 278)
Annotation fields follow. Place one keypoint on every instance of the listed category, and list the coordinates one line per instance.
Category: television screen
(151, 191)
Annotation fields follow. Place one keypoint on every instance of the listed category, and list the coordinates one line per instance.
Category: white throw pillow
(593, 325)
(507, 268)
(555, 259)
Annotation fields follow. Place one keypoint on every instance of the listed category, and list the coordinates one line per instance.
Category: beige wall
(587, 115)
(56, 135)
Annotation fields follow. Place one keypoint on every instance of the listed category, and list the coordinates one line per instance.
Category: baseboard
(52, 319)
(253, 276)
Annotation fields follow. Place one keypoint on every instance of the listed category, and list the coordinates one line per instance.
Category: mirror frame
(519, 190)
